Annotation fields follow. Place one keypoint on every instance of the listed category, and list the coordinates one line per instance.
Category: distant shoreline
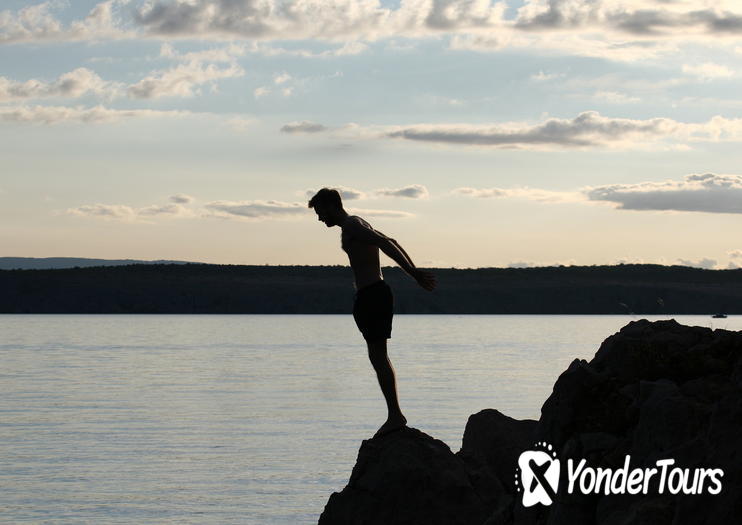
(195, 288)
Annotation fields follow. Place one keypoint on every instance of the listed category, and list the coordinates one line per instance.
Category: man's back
(363, 256)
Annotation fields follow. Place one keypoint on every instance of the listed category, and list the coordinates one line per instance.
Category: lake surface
(217, 419)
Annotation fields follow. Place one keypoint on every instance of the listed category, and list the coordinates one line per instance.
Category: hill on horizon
(216, 288)
(51, 263)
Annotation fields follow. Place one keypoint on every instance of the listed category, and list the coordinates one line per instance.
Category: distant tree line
(233, 289)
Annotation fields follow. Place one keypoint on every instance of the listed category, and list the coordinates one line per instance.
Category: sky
(476, 133)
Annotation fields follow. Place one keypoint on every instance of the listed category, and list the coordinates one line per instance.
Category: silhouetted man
(372, 309)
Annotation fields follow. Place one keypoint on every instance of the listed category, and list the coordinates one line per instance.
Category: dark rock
(655, 390)
(493, 441)
(406, 477)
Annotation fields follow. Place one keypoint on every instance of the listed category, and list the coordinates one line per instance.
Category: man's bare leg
(377, 353)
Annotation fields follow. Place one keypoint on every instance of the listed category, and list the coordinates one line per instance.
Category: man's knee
(377, 350)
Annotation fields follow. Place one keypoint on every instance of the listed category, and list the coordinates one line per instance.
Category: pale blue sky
(476, 133)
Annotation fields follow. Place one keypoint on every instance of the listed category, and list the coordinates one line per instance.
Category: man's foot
(391, 424)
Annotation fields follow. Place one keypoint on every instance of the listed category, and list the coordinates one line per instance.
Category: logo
(538, 474)
(538, 471)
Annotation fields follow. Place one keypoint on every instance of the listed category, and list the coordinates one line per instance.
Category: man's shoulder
(354, 221)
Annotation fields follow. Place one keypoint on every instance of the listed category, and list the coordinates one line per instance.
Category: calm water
(245, 419)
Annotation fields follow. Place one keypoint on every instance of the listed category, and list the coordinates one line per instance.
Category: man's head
(329, 206)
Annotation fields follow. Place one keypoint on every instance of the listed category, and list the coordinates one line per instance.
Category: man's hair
(326, 197)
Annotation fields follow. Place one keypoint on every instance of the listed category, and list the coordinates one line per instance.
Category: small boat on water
(719, 316)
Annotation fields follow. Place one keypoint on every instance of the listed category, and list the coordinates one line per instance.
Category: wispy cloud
(59, 114)
(74, 84)
(196, 69)
(413, 191)
(123, 213)
(346, 49)
(182, 80)
(303, 127)
(342, 19)
(37, 23)
(532, 264)
(588, 130)
(256, 209)
(533, 194)
(705, 263)
(182, 198)
(708, 71)
(614, 97)
(630, 17)
(708, 193)
(543, 77)
(617, 29)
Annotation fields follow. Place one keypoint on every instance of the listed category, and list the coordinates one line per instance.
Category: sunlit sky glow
(475, 132)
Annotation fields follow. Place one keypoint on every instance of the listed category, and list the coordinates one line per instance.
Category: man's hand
(425, 279)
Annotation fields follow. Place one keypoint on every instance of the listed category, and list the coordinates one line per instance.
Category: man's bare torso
(364, 258)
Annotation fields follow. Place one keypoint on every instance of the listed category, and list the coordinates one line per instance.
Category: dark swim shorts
(373, 309)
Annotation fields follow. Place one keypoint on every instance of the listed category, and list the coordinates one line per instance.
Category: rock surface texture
(653, 391)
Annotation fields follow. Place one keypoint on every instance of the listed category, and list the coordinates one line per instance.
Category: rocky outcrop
(406, 477)
(655, 390)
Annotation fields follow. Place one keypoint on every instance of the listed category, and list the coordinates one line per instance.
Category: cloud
(530, 264)
(71, 85)
(337, 20)
(182, 198)
(281, 78)
(705, 263)
(588, 129)
(616, 29)
(346, 49)
(123, 213)
(220, 54)
(183, 79)
(521, 264)
(708, 71)
(240, 124)
(543, 77)
(467, 20)
(256, 209)
(303, 127)
(534, 194)
(631, 17)
(481, 43)
(59, 114)
(238, 210)
(261, 91)
(178, 81)
(735, 254)
(414, 191)
(36, 23)
(614, 97)
(707, 193)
